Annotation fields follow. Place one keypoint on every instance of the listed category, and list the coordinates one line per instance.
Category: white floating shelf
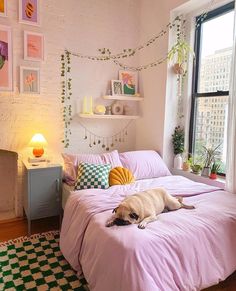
(123, 97)
(98, 116)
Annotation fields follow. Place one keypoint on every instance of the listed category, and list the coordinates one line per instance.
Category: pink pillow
(144, 164)
(71, 162)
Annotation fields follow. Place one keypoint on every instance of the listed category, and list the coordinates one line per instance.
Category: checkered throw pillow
(92, 176)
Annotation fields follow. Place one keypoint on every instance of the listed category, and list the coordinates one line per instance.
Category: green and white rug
(36, 263)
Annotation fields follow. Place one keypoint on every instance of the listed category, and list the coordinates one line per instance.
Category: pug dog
(144, 207)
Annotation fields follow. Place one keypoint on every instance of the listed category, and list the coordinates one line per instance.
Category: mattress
(66, 192)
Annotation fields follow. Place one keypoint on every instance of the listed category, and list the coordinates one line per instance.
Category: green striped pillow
(92, 176)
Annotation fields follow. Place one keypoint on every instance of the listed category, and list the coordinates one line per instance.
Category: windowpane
(211, 126)
(216, 53)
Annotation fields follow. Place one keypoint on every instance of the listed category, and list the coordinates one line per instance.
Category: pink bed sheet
(183, 250)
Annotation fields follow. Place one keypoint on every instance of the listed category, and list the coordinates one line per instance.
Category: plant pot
(213, 176)
(178, 69)
(178, 162)
(206, 172)
(186, 166)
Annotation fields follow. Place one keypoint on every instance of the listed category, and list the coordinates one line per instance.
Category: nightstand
(42, 191)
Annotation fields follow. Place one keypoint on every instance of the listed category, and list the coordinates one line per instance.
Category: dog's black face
(124, 219)
(121, 222)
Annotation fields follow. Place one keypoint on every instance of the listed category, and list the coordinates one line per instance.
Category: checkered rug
(36, 263)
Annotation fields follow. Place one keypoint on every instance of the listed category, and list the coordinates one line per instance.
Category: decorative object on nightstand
(38, 142)
(42, 191)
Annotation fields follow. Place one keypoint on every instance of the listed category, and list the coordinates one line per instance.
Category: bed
(182, 250)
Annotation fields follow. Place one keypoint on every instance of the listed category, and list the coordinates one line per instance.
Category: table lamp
(38, 141)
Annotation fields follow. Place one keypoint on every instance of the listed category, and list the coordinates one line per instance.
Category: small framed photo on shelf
(3, 8)
(117, 87)
(29, 12)
(130, 82)
(29, 80)
(6, 79)
(33, 46)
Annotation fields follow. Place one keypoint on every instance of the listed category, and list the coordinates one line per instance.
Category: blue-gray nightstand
(42, 191)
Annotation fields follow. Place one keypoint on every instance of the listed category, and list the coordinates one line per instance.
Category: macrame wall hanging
(105, 54)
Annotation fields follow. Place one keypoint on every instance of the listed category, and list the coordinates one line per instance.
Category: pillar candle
(85, 105)
(91, 105)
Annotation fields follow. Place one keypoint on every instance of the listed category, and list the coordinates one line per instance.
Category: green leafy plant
(180, 52)
(215, 168)
(196, 168)
(209, 156)
(178, 140)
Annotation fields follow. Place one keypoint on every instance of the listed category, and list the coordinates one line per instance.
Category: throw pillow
(92, 176)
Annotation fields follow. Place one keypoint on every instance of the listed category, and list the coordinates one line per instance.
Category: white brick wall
(78, 25)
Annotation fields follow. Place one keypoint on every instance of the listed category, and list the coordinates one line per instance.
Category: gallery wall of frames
(33, 48)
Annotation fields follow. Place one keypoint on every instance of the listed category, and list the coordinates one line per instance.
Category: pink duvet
(183, 250)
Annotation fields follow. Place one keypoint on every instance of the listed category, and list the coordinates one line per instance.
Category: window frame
(196, 72)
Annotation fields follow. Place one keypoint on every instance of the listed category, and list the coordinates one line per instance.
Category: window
(213, 50)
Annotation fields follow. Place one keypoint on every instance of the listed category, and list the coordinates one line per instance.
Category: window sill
(219, 182)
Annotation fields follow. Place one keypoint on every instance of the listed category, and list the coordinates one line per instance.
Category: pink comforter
(182, 250)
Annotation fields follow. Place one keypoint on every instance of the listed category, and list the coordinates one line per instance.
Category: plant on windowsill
(209, 156)
(196, 169)
(187, 164)
(214, 170)
(178, 146)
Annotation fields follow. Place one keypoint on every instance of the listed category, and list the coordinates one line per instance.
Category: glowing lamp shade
(38, 141)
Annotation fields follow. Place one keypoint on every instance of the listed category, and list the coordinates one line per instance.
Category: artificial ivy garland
(66, 96)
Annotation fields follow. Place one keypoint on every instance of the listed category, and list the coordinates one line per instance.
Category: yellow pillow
(120, 176)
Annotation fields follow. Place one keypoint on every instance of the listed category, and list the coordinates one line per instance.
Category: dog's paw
(142, 225)
(110, 223)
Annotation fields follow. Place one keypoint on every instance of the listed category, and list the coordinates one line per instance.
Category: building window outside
(213, 49)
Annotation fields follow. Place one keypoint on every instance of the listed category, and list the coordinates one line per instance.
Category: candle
(91, 105)
(85, 105)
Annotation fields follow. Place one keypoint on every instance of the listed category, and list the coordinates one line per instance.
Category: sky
(217, 33)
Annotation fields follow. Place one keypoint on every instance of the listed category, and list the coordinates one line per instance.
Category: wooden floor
(16, 228)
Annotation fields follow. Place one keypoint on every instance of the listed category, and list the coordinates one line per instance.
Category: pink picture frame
(29, 12)
(3, 8)
(6, 81)
(33, 46)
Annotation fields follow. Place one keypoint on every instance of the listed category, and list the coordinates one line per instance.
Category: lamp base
(38, 152)
(37, 160)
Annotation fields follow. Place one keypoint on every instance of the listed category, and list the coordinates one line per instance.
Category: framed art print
(116, 87)
(29, 12)
(29, 80)
(5, 58)
(33, 46)
(130, 82)
(3, 8)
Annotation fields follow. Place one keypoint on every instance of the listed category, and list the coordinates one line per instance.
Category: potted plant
(209, 158)
(187, 164)
(214, 170)
(180, 52)
(196, 169)
(178, 146)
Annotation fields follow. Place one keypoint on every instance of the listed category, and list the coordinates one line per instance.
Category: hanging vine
(66, 94)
